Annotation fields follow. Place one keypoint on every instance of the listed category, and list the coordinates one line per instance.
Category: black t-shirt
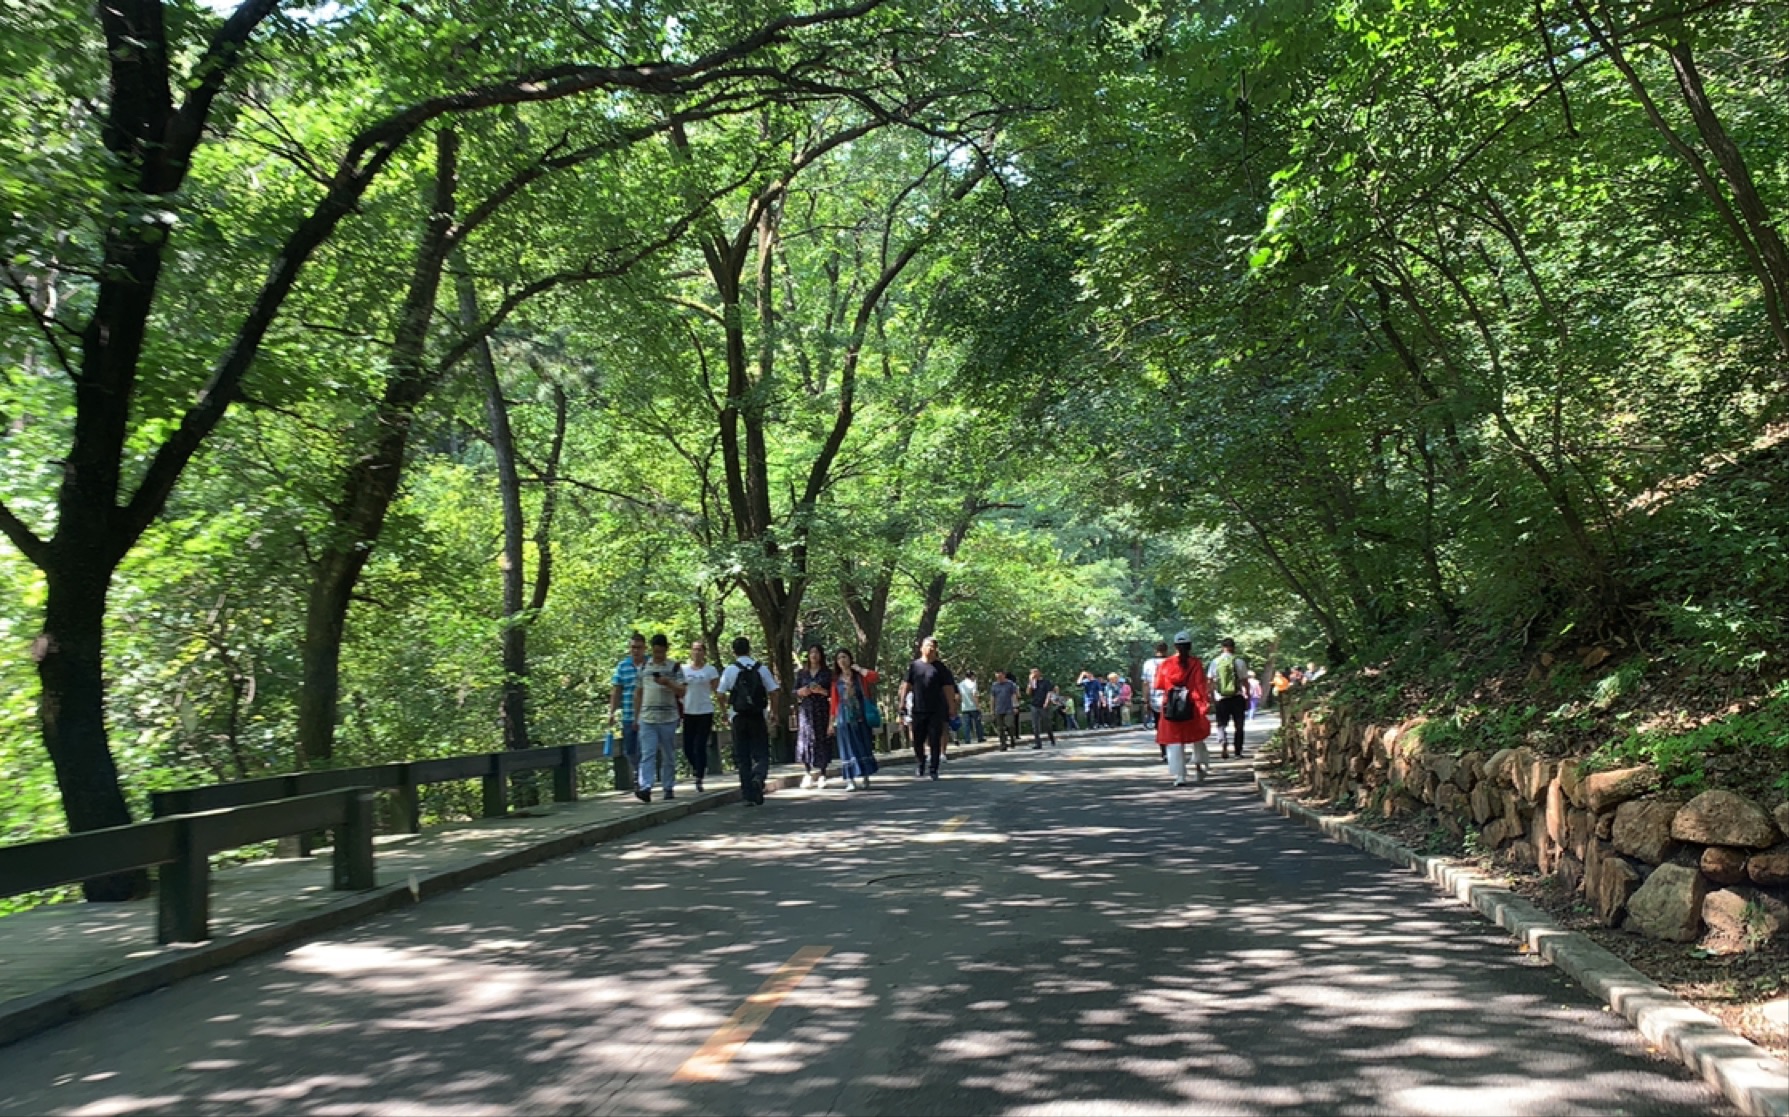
(927, 682)
(1040, 691)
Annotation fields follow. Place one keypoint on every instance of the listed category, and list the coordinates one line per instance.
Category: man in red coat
(1185, 705)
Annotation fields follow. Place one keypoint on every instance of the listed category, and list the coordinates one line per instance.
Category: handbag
(872, 716)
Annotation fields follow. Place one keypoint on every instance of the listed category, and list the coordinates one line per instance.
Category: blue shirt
(627, 677)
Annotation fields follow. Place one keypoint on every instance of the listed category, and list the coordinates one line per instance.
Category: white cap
(1183, 637)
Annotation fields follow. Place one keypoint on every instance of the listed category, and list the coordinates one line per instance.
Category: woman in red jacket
(851, 695)
(1182, 672)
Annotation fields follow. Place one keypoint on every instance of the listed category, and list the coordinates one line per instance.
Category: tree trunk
(1444, 603)
(1727, 156)
(514, 628)
(325, 622)
(72, 709)
(869, 613)
(1771, 282)
(973, 506)
(778, 615)
(1332, 630)
(373, 478)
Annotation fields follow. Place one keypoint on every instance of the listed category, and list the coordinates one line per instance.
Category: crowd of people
(1182, 698)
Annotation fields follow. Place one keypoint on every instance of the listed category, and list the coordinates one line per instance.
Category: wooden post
(353, 863)
(297, 845)
(410, 803)
(496, 781)
(183, 890)
(565, 776)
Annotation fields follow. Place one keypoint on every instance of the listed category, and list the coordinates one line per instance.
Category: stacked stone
(1648, 859)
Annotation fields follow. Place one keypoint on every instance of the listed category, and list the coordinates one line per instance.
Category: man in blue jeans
(623, 685)
(660, 686)
(969, 710)
(745, 689)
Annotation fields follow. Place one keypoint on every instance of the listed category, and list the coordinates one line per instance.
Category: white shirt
(700, 697)
(1150, 667)
(966, 690)
(731, 676)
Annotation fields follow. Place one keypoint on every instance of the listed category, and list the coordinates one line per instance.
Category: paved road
(1054, 932)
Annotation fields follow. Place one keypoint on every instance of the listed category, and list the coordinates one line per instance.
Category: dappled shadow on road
(1079, 938)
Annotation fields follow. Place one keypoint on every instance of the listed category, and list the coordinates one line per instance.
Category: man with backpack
(1229, 676)
(745, 689)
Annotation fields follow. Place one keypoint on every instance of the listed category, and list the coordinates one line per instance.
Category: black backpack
(748, 695)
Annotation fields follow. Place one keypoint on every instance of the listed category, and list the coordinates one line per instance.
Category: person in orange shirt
(1185, 705)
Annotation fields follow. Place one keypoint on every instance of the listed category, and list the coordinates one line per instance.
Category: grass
(1759, 737)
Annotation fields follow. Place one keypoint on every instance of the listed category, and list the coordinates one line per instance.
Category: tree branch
(45, 325)
(364, 159)
(22, 537)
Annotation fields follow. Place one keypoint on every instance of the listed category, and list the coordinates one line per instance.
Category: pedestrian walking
(851, 696)
(699, 680)
(1005, 693)
(1042, 693)
(1150, 709)
(1093, 689)
(1185, 701)
(969, 705)
(934, 692)
(1229, 678)
(659, 684)
(813, 717)
(624, 683)
(745, 689)
(1254, 694)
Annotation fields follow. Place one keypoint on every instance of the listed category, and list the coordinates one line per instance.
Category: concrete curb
(1741, 1070)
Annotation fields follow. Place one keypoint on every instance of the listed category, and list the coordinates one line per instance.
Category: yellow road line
(705, 1064)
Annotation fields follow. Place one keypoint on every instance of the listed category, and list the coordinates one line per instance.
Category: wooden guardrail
(190, 824)
(404, 777)
(179, 848)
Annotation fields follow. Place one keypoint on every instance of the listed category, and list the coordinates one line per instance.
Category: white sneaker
(807, 782)
(850, 785)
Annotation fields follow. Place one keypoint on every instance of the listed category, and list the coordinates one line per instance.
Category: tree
(118, 326)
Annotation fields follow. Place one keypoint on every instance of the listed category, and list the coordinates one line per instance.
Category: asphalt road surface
(1054, 932)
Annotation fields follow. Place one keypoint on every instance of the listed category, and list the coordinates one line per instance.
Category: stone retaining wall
(1662, 864)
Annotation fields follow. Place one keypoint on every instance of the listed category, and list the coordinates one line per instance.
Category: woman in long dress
(1183, 669)
(851, 693)
(813, 725)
